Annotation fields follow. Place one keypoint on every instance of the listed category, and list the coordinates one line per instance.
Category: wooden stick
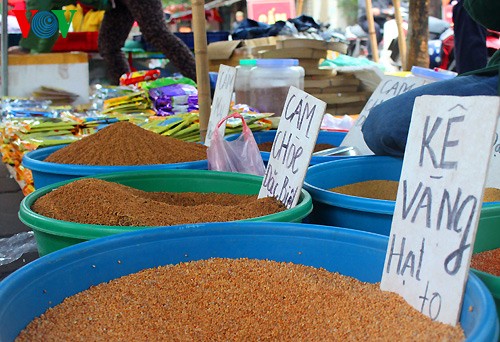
(371, 30)
(300, 6)
(201, 58)
(401, 34)
(5, 47)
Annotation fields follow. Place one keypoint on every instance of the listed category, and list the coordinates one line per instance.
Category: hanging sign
(271, 11)
(439, 201)
(293, 147)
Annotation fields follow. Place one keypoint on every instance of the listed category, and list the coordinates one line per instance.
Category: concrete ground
(10, 198)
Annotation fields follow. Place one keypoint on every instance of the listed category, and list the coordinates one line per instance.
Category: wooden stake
(401, 34)
(201, 58)
(5, 47)
(300, 5)
(371, 30)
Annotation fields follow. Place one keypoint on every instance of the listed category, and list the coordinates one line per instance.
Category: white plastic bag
(241, 155)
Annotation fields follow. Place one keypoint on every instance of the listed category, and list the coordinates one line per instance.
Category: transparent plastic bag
(12, 248)
(241, 155)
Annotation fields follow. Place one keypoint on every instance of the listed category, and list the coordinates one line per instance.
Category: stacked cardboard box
(309, 52)
(341, 92)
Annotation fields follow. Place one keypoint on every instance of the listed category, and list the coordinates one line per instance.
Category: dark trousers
(470, 41)
(378, 32)
(149, 15)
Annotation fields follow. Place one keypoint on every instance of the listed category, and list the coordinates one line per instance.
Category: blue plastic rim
(44, 283)
(324, 137)
(335, 209)
(45, 173)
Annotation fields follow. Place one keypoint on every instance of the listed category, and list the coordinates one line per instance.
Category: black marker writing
(406, 258)
(286, 151)
(434, 302)
(427, 138)
(458, 254)
(302, 112)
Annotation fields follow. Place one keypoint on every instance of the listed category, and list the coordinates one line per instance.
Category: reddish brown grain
(95, 201)
(388, 190)
(236, 300)
(487, 261)
(125, 143)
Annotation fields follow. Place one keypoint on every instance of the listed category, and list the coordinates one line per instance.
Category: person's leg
(378, 34)
(386, 127)
(115, 28)
(151, 19)
(470, 41)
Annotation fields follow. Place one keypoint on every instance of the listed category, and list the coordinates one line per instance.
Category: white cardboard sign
(493, 179)
(389, 87)
(292, 147)
(222, 100)
(438, 204)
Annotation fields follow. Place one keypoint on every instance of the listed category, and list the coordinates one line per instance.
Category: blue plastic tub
(324, 137)
(44, 283)
(45, 173)
(373, 215)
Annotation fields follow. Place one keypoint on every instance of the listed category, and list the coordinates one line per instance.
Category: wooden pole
(418, 35)
(5, 47)
(371, 30)
(401, 33)
(300, 6)
(201, 58)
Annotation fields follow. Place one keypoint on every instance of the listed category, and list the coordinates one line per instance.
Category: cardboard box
(230, 52)
(67, 71)
(225, 52)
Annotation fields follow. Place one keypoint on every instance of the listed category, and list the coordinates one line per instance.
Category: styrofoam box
(67, 71)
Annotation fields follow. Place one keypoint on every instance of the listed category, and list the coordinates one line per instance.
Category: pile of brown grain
(95, 201)
(376, 189)
(236, 300)
(387, 190)
(487, 261)
(267, 146)
(491, 195)
(124, 143)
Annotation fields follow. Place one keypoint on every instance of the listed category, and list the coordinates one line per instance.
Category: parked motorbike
(441, 43)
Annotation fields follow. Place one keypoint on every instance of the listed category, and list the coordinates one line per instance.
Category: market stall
(156, 202)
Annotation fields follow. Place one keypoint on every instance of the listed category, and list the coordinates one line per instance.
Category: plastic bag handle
(234, 115)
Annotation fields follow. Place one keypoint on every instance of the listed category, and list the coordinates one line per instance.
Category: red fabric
(447, 48)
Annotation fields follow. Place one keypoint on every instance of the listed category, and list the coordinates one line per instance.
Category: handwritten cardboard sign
(493, 179)
(389, 87)
(222, 100)
(438, 204)
(292, 147)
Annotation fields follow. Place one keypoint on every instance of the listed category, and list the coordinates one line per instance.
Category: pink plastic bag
(241, 155)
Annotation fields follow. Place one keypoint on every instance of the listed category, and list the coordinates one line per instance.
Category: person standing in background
(149, 14)
(239, 17)
(386, 128)
(381, 10)
(470, 48)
